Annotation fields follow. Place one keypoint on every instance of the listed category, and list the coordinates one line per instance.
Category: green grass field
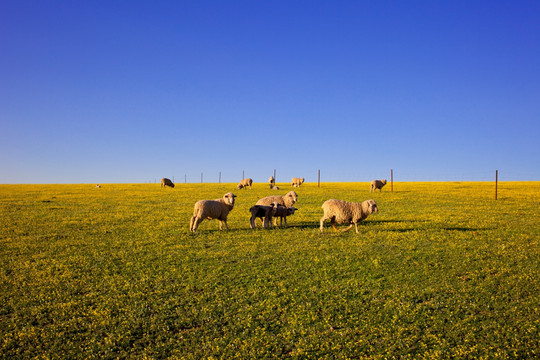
(442, 271)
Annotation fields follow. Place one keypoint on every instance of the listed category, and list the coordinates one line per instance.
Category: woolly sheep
(286, 200)
(245, 183)
(282, 212)
(274, 187)
(264, 212)
(271, 181)
(98, 186)
(212, 209)
(296, 182)
(166, 182)
(377, 184)
(339, 211)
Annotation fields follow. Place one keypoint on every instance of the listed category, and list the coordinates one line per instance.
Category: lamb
(377, 184)
(166, 182)
(282, 212)
(296, 182)
(245, 183)
(263, 212)
(339, 211)
(212, 209)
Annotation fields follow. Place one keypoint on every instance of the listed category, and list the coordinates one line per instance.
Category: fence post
(201, 178)
(319, 178)
(391, 180)
(274, 176)
(185, 178)
(220, 177)
(496, 182)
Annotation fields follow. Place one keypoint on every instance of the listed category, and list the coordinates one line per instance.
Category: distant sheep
(274, 187)
(264, 212)
(377, 184)
(245, 183)
(296, 182)
(212, 209)
(98, 186)
(271, 181)
(166, 182)
(282, 212)
(339, 211)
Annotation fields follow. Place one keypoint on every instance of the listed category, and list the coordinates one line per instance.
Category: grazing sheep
(296, 182)
(245, 183)
(271, 181)
(377, 184)
(98, 186)
(263, 212)
(339, 211)
(286, 200)
(282, 212)
(212, 209)
(274, 187)
(166, 182)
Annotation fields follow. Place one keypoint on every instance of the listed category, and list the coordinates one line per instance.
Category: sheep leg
(322, 224)
(252, 222)
(226, 226)
(196, 221)
(347, 228)
(333, 223)
(356, 227)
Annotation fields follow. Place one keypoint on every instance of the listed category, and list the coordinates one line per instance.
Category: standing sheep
(245, 183)
(212, 209)
(377, 184)
(296, 182)
(263, 212)
(286, 200)
(166, 182)
(271, 181)
(339, 211)
(282, 212)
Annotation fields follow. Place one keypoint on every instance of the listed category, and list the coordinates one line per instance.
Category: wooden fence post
(391, 180)
(319, 178)
(496, 182)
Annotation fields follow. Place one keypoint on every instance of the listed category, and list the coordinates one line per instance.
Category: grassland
(443, 271)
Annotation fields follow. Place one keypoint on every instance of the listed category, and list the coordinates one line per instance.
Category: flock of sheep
(281, 206)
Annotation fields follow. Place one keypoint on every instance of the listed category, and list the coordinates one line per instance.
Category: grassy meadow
(442, 271)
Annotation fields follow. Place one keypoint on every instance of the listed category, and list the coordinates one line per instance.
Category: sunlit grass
(443, 271)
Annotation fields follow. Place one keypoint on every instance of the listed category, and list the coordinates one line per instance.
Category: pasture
(442, 271)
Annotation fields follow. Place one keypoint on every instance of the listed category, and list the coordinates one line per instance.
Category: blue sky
(131, 91)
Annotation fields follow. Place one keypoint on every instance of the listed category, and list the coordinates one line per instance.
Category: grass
(443, 271)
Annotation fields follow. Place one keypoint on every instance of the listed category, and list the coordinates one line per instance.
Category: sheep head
(228, 198)
(370, 206)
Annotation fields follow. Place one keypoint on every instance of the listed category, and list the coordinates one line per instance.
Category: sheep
(296, 182)
(166, 182)
(271, 181)
(282, 212)
(339, 211)
(98, 186)
(377, 184)
(286, 200)
(264, 212)
(245, 183)
(274, 187)
(212, 209)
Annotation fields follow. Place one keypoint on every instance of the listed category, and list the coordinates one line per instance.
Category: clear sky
(132, 91)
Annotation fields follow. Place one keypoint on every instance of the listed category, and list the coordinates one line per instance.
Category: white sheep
(98, 186)
(166, 182)
(245, 183)
(377, 184)
(264, 212)
(339, 211)
(271, 181)
(296, 182)
(282, 212)
(287, 200)
(274, 187)
(212, 209)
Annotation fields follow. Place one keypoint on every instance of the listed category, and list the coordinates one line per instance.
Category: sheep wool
(212, 209)
(339, 211)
